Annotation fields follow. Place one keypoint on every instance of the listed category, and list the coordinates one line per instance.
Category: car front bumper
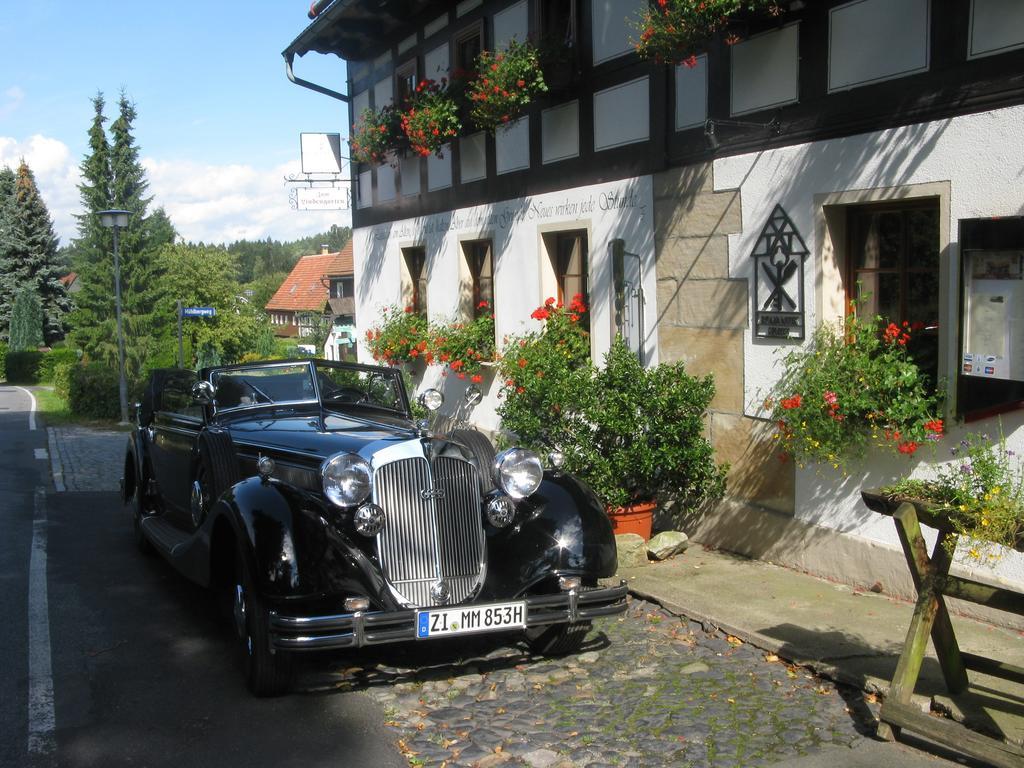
(355, 630)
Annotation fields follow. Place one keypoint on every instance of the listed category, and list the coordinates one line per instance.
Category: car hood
(309, 435)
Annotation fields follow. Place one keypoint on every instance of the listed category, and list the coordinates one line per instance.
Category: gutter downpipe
(289, 57)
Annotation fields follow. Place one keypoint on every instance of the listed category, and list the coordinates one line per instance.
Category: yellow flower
(984, 521)
(974, 553)
(963, 507)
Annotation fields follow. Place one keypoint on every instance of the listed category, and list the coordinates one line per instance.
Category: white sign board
(322, 198)
(321, 152)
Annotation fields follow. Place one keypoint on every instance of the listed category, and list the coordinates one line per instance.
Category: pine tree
(10, 245)
(36, 264)
(93, 324)
(114, 169)
(26, 320)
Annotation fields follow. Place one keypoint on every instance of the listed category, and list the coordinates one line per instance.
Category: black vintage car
(304, 493)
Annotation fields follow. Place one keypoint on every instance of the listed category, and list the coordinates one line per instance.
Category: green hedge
(53, 359)
(62, 373)
(23, 367)
(3, 361)
(92, 392)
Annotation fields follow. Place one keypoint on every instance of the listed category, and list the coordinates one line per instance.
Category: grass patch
(54, 411)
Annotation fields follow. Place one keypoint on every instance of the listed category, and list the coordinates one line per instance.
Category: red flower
(462, 376)
(522, 362)
(456, 364)
(409, 309)
(549, 301)
(521, 83)
(907, 447)
(476, 378)
(935, 425)
(790, 403)
(540, 314)
(481, 305)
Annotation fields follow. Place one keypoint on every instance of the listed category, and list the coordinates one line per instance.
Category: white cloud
(56, 175)
(221, 203)
(209, 203)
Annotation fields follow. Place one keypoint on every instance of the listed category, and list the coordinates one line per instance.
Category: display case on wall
(991, 368)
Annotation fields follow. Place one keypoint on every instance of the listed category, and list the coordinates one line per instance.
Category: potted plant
(505, 83)
(851, 387)
(401, 337)
(464, 346)
(375, 134)
(634, 435)
(979, 495)
(430, 118)
(675, 31)
(642, 439)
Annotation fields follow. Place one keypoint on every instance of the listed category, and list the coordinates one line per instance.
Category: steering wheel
(347, 395)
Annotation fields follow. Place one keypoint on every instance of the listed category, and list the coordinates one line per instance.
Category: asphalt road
(140, 670)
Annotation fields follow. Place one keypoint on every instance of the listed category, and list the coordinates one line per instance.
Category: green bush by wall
(23, 367)
(54, 358)
(92, 392)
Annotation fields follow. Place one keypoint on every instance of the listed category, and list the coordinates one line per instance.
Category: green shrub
(3, 361)
(23, 367)
(93, 392)
(54, 358)
(61, 378)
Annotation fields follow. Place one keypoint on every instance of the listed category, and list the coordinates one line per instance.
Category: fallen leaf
(733, 640)
(771, 658)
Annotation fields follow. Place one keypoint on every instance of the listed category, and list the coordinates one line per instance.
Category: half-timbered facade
(889, 133)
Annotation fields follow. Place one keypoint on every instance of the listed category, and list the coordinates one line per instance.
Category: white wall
(981, 157)
(607, 211)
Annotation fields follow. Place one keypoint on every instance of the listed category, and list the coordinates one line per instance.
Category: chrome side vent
(433, 535)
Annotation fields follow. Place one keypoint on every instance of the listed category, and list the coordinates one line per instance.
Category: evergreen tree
(10, 245)
(93, 323)
(26, 320)
(114, 178)
(36, 263)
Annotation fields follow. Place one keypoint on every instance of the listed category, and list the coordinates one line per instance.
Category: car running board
(163, 535)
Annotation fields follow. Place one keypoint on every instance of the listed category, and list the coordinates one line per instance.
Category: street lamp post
(116, 220)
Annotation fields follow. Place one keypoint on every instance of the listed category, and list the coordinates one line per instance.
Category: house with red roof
(319, 284)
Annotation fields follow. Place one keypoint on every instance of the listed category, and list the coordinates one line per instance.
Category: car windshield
(339, 385)
(263, 385)
(343, 385)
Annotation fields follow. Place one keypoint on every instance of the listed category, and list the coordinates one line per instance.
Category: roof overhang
(357, 30)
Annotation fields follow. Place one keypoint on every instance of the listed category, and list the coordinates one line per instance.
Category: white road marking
(32, 411)
(41, 453)
(55, 466)
(41, 719)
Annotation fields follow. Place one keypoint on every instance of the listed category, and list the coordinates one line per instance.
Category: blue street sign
(198, 311)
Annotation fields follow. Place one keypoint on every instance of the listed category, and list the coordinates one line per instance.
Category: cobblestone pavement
(648, 689)
(85, 459)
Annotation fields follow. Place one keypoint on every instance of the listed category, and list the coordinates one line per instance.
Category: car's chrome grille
(427, 540)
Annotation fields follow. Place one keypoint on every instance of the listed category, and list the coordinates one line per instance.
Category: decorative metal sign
(779, 279)
(319, 198)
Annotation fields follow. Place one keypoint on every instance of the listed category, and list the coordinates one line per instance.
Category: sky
(218, 121)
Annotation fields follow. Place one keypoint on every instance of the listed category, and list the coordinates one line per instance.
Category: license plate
(444, 622)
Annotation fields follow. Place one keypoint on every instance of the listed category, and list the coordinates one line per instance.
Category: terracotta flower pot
(634, 518)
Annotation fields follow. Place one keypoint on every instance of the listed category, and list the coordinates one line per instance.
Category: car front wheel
(267, 673)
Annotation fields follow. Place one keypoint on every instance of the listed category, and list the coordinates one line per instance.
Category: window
(177, 397)
(568, 274)
(405, 82)
(342, 287)
(468, 45)
(480, 278)
(557, 20)
(414, 279)
(893, 271)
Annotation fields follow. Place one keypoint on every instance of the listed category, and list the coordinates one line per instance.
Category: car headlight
(518, 472)
(432, 399)
(346, 479)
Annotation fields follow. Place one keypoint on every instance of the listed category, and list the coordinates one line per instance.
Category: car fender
(295, 550)
(562, 529)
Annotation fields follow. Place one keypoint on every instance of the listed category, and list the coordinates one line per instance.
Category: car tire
(267, 673)
(137, 507)
(559, 640)
(218, 462)
(482, 451)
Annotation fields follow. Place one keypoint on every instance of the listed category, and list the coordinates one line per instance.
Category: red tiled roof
(307, 287)
(68, 279)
